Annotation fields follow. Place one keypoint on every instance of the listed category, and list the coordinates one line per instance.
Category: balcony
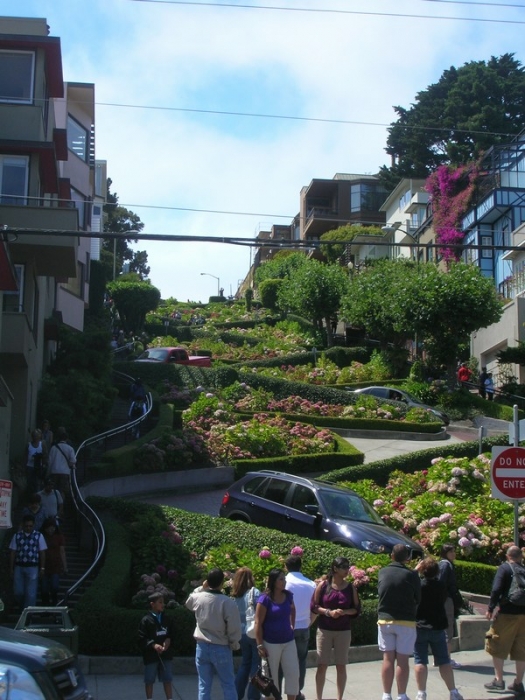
(53, 255)
(17, 340)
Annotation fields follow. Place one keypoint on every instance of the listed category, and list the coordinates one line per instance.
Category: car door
(297, 517)
(269, 508)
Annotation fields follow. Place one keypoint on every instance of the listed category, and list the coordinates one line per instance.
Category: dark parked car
(386, 392)
(311, 508)
(35, 668)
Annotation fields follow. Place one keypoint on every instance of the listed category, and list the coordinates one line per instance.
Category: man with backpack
(506, 610)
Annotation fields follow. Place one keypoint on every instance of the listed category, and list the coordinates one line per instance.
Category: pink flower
(160, 569)
(265, 553)
(297, 552)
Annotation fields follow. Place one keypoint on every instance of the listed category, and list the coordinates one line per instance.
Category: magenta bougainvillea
(451, 189)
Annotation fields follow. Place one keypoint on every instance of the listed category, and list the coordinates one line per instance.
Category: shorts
(338, 640)
(161, 668)
(507, 636)
(398, 638)
(437, 640)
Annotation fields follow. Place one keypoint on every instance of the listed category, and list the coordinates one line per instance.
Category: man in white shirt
(303, 590)
(62, 460)
(52, 500)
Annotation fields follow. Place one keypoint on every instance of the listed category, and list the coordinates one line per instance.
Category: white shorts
(398, 638)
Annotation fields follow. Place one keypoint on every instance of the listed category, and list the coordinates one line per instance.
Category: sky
(163, 70)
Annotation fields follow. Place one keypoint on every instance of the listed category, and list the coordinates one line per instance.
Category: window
(77, 138)
(14, 172)
(16, 76)
(486, 252)
(14, 301)
(303, 496)
(80, 204)
(277, 490)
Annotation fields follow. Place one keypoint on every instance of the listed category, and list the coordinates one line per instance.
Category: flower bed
(448, 502)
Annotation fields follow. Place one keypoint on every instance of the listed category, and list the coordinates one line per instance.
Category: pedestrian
(137, 390)
(303, 590)
(136, 411)
(218, 633)
(52, 500)
(481, 385)
(27, 560)
(489, 386)
(274, 631)
(431, 621)
(337, 604)
(56, 563)
(399, 593)
(464, 375)
(156, 632)
(36, 462)
(506, 610)
(62, 460)
(246, 595)
(454, 601)
(35, 508)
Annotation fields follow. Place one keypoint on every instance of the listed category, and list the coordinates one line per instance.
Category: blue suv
(311, 508)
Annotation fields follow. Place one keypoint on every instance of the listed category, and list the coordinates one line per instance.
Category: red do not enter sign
(508, 473)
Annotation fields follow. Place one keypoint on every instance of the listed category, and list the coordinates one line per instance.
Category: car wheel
(239, 518)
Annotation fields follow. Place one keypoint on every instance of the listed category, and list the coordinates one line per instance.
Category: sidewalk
(364, 682)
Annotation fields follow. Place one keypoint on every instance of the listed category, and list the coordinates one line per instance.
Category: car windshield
(158, 354)
(342, 506)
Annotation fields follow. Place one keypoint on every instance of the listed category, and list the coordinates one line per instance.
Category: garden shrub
(102, 609)
(474, 577)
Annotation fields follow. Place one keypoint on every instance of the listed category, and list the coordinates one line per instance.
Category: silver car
(394, 394)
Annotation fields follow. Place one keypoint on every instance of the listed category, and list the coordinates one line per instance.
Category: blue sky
(310, 64)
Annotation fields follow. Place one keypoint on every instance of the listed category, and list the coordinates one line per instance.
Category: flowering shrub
(451, 190)
(449, 502)
(171, 451)
(181, 397)
(152, 583)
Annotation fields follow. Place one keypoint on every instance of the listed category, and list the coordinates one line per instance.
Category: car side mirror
(312, 510)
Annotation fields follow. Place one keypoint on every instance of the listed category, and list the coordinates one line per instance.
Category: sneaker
(421, 695)
(387, 696)
(403, 697)
(495, 685)
(455, 664)
(516, 687)
(454, 695)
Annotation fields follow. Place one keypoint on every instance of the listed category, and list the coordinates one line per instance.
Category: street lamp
(218, 281)
(396, 226)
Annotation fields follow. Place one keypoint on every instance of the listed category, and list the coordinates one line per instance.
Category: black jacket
(431, 610)
(152, 631)
(500, 589)
(399, 591)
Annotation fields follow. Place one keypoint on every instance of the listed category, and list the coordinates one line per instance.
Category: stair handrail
(84, 510)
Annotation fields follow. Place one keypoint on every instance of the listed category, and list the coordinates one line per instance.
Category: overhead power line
(331, 11)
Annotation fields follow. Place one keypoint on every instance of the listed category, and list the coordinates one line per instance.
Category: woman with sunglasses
(337, 604)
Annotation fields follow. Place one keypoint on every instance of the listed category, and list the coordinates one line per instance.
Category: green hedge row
(101, 612)
(356, 423)
(341, 356)
(380, 471)
(474, 577)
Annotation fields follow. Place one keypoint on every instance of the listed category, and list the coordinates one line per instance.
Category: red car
(177, 355)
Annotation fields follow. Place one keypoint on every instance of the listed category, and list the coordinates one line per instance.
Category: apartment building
(46, 185)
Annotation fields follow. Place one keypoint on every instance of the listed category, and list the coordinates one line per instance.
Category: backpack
(136, 410)
(516, 594)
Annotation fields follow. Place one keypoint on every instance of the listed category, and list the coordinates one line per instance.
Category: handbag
(250, 616)
(262, 680)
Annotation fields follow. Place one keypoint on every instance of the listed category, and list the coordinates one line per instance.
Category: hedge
(380, 471)
(100, 613)
(341, 356)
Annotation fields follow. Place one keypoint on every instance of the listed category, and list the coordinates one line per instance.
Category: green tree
(314, 290)
(454, 120)
(133, 301)
(268, 293)
(121, 221)
(280, 266)
(346, 233)
(398, 300)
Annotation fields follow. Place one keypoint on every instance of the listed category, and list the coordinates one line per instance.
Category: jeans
(25, 585)
(248, 667)
(302, 637)
(49, 589)
(211, 659)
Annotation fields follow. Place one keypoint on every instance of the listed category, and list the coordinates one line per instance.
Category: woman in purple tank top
(274, 631)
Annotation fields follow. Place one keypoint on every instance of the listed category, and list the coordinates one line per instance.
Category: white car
(394, 394)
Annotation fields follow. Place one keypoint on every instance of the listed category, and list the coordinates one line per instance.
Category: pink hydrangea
(297, 551)
(265, 553)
